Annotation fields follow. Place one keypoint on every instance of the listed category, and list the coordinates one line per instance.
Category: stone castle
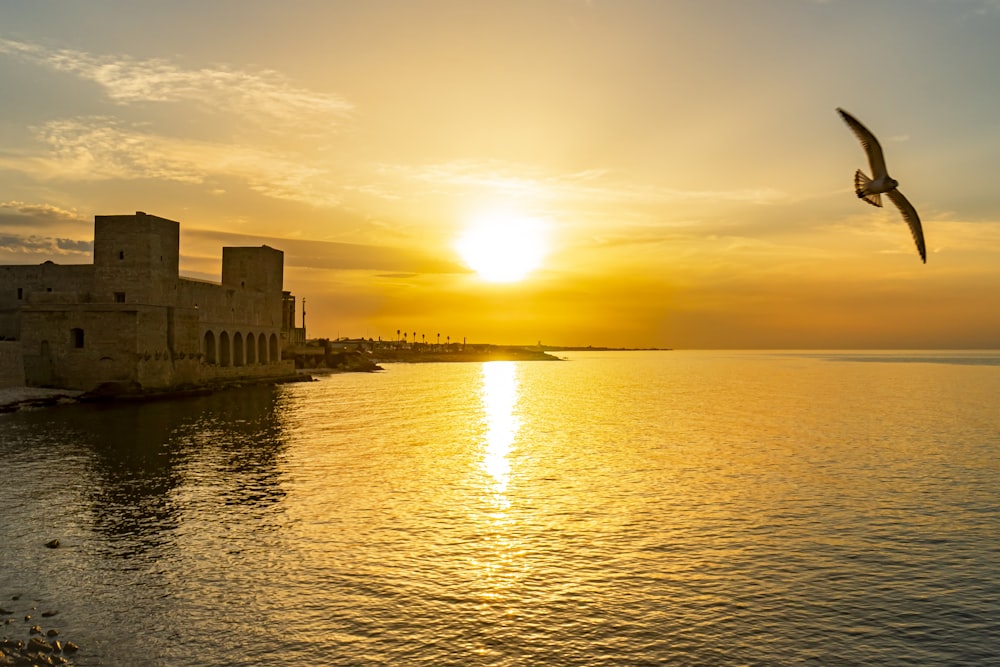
(130, 320)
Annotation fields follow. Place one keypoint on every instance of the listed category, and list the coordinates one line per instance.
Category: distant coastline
(481, 353)
(364, 354)
(594, 348)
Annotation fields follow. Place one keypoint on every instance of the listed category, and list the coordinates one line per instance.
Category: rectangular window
(76, 337)
(121, 254)
(20, 293)
(119, 297)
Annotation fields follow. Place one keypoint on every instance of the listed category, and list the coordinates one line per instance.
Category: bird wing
(868, 142)
(910, 215)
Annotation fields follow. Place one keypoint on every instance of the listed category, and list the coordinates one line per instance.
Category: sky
(677, 169)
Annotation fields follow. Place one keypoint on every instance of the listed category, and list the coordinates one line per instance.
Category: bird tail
(861, 182)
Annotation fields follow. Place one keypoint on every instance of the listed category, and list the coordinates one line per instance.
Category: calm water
(702, 508)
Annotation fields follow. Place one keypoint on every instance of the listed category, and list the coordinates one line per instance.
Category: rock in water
(39, 644)
(52, 544)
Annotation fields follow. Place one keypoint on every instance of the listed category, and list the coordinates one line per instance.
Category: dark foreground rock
(122, 391)
(37, 645)
(321, 356)
(13, 399)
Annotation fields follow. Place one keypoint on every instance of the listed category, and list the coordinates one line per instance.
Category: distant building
(292, 335)
(129, 318)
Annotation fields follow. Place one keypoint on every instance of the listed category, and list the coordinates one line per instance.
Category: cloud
(108, 147)
(19, 213)
(19, 247)
(13, 246)
(590, 185)
(102, 148)
(327, 255)
(72, 246)
(264, 96)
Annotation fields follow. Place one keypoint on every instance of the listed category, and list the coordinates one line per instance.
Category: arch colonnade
(240, 349)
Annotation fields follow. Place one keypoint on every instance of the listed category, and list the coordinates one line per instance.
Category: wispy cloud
(144, 145)
(327, 255)
(264, 96)
(591, 185)
(101, 148)
(37, 214)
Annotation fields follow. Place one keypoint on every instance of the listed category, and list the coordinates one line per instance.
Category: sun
(503, 247)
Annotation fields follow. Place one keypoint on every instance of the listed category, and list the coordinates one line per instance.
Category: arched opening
(225, 357)
(208, 348)
(273, 350)
(251, 350)
(237, 349)
(262, 348)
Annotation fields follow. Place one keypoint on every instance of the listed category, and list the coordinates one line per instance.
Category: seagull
(871, 189)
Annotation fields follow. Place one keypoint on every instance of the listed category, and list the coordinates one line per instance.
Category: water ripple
(676, 508)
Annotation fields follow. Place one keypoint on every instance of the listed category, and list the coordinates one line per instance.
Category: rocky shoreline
(42, 646)
(13, 399)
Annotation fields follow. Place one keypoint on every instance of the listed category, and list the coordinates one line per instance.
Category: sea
(612, 508)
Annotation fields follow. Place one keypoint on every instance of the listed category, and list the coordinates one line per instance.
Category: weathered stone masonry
(130, 318)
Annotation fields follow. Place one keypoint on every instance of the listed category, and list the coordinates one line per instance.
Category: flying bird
(872, 189)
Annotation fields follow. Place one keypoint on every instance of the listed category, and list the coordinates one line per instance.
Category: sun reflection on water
(500, 394)
(499, 561)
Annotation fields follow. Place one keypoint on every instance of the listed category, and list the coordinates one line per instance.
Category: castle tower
(259, 269)
(136, 259)
(256, 270)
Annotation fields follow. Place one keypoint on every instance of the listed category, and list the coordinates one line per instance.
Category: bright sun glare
(503, 248)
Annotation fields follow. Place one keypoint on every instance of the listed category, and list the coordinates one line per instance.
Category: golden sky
(678, 168)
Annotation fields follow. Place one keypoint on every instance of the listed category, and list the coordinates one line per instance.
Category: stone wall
(221, 307)
(78, 346)
(11, 364)
(19, 285)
